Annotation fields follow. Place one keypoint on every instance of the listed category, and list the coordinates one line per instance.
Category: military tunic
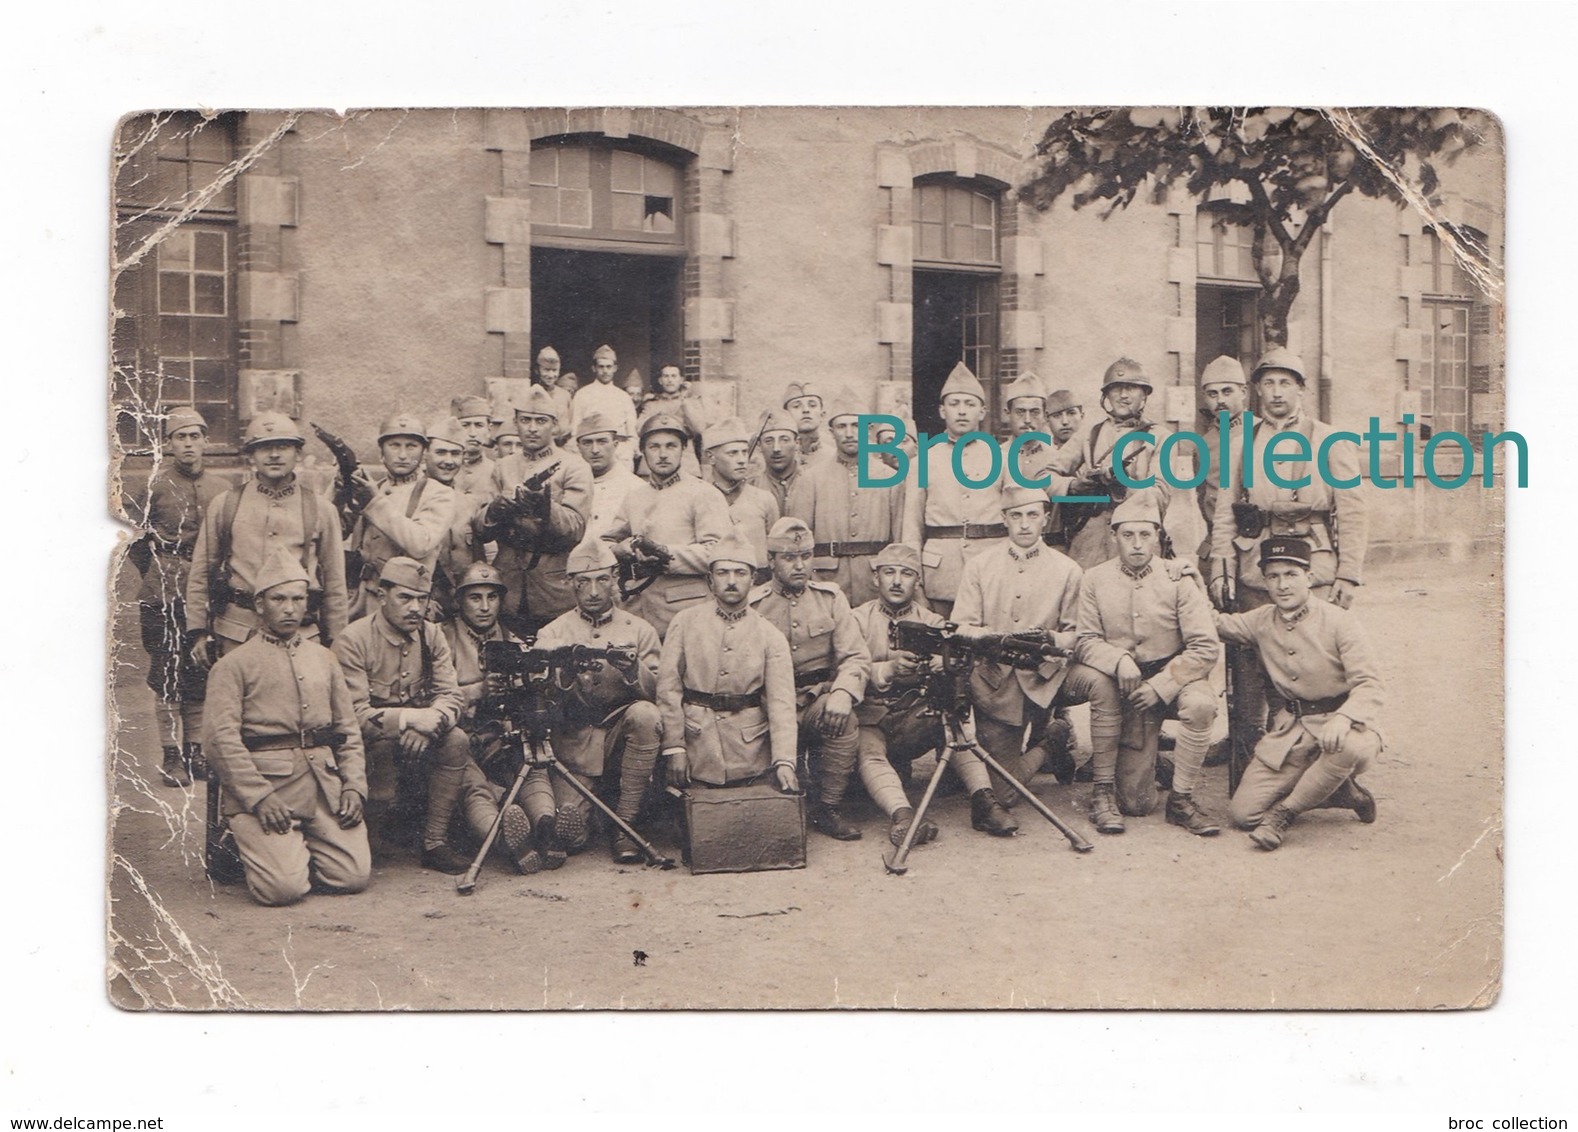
(617, 408)
(466, 647)
(409, 518)
(781, 489)
(950, 523)
(594, 706)
(851, 523)
(458, 548)
(714, 652)
(687, 516)
(269, 689)
(541, 592)
(608, 494)
(754, 511)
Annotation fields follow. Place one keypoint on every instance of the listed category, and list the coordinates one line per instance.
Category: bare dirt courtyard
(1402, 914)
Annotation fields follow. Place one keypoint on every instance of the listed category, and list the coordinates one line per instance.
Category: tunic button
(1292, 677)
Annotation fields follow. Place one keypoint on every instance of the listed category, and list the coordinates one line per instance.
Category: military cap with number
(1282, 548)
(790, 533)
(1280, 357)
(899, 554)
(664, 422)
(1060, 399)
(1018, 496)
(730, 430)
(407, 572)
(961, 380)
(480, 574)
(596, 421)
(1126, 371)
(280, 567)
(184, 417)
(272, 428)
(797, 389)
(471, 406)
(402, 424)
(1026, 386)
(732, 547)
(1139, 507)
(1223, 370)
(536, 402)
(448, 429)
(589, 557)
(779, 421)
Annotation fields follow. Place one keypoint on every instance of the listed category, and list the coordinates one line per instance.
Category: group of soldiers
(321, 652)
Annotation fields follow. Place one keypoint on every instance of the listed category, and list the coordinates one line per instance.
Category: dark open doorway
(582, 299)
(955, 320)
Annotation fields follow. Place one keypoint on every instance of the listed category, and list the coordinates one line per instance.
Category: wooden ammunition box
(743, 829)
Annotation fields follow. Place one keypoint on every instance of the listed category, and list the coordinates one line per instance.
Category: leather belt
(244, 601)
(813, 676)
(846, 549)
(722, 702)
(306, 740)
(967, 531)
(1315, 707)
(1149, 668)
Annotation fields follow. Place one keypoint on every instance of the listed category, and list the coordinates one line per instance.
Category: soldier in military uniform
(409, 515)
(474, 415)
(1022, 586)
(1223, 389)
(602, 395)
(726, 447)
(1064, 414)
(726, 684)
(459, 546)
(506, 441)
(408, 702)
(804, 404)
(598, 441)
(1324, 733)
(852, 523)
(947, 521)
(1151, 632)
(675, 397)
(535, 530)
(894, 727)
(281, 731)
(548, 377)
(611, 727)
(779, 453)
(1084, 467)
(170, 515)
(479, 599)
(831, 666)
(1026, 401)
(244, 526)
(679, 514)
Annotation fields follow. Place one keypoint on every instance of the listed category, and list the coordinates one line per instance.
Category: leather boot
(988, 815)
(196, 762)
(569, 826)
(1104, 808)
(1059, 744)
(624, 850)
(173, 770)
(899, 825)
(1183, 810)
(1268, 834)
(444, 858)
(1352, 796)
(827, 819)
(515, 829)
(549, 850)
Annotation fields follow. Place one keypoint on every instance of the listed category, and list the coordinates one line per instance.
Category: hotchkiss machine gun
(945, 692)
(525, 700)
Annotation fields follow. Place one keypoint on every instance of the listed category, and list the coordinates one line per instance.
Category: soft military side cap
(407, 572)
(184, 417)
(280, 567)
(790, 533)
(471, 406)
(590, 557)
(961, 380)
(1139, 507)
(594, 422)
(1018, 496)
(732, 547)
(730, 430)
(537, 402)
(1223, 370)
(899, 554)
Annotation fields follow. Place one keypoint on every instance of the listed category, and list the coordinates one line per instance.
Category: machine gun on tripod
(524, 699)
(945, 692)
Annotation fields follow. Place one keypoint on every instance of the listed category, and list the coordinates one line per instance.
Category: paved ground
(1403, 914)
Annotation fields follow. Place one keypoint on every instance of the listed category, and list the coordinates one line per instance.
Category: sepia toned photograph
(801, 558)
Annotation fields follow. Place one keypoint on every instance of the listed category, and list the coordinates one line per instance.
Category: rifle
(351, 495)
(530, 500)
(648, 562)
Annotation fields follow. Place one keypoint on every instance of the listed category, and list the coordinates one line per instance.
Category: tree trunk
(1277, 301)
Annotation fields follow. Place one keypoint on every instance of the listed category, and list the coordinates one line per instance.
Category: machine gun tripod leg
(544, 757)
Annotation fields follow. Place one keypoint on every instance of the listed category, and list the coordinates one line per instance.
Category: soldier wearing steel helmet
(611, 727)
(243, 527)
(535, 530)
(409, 514)
(479, 599)
(831, 666)
(851, 523)
(1084, 467)
(170, 514)
(677, 515)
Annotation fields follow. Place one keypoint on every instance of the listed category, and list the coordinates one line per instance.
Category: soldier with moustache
(852, 523)
(409, 514)
(459, 547)
(1149, 628)
(598, 440)
(779, 450)
(949, 522)
(1019, 586)
(1324, 733)
(895, 729)
(281, 731)
(726, 447)
(474, 416)
(536, 530)
(831, 666)
(1084, 467)
(401, 674)
(726, 684)
(242, 529)
(682, 515)
(611, 727)
(170, 514)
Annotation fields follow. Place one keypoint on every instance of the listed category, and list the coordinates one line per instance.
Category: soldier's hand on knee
(785, 778)
(350, 811)
(1144, 697)
(835, 712)
(1334, 733)
(199, 652)
(412, 743)
(1128, 676)
(1342, 593)
(273, 815)
(678, 767)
